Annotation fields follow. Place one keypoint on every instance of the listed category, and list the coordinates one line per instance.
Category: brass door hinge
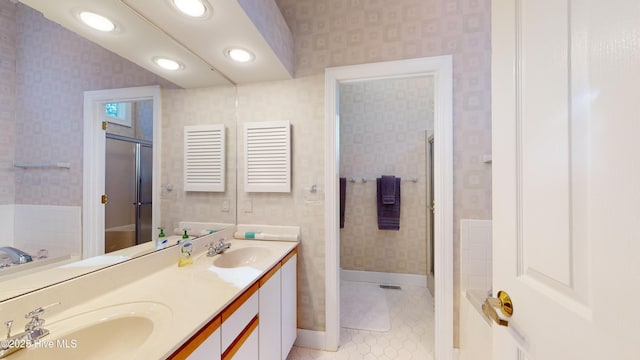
(104, 125)
(433, 207)
(104, 198)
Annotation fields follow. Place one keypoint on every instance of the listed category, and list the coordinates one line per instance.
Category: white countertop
(191, 295)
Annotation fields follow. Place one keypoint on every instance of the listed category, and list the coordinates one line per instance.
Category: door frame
(94, 161)
(441, 68)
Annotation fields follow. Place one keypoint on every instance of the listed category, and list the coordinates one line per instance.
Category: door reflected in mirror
(128, 174)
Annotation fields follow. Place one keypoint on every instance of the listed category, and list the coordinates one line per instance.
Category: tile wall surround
(383, 125)
(54, 68)
(475, 255)
(54, 228)
(343, 32)
(181, 108)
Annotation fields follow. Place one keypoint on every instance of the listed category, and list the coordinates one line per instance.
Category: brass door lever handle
(502, 304)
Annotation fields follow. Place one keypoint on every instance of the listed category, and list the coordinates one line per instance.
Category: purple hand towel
(388, 214)
(388, 188)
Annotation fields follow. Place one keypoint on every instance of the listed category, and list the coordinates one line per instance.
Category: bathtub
(475, 327)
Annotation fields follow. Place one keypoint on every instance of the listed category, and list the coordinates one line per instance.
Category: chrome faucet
(33, 331)
(17, 256)
(219, 248)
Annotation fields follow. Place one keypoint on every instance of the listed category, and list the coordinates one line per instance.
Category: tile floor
(411, 336)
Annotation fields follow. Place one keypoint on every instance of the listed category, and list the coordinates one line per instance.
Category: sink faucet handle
(8, 324)
(39, 311)
(211, 249)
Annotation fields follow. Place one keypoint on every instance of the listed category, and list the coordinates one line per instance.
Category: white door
(566, 177)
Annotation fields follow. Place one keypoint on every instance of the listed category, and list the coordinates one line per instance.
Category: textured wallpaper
(7, 101)
(216, 105)
(301, 102)
(343, 32)
(325, 33)
(383, 125)
(54, 68)
(268, 19)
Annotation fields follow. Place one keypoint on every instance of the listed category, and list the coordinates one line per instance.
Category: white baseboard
(311, 339)
(384, 278)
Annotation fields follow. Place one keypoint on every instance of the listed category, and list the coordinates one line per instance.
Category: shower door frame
(441, 68)
(139, 144)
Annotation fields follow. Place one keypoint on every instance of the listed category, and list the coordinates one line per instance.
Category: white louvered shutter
(267, 160)
(204, 158)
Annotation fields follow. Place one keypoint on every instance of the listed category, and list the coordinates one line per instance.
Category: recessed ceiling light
(168, 64)
(96, 21)
(193, 8)
(240, 55)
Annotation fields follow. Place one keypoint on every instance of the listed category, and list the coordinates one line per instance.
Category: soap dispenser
(161, 241)
(185, 251)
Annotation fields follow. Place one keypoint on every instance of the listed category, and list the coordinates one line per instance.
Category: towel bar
(365, 180)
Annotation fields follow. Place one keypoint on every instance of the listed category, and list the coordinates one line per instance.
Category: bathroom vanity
(265, 311)
(216, 308)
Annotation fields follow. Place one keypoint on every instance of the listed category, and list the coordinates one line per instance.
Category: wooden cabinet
(260, 324)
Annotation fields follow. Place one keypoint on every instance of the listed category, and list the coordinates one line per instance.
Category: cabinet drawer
(205, 344)
(245, 347)
(238, 315)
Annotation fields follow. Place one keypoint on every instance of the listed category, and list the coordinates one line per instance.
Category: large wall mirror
(46, 70)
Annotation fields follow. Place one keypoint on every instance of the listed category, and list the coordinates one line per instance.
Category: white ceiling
(153, 28)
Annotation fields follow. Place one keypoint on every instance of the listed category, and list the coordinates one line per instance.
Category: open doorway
(135, 159)
(384, 238)
(441, 70)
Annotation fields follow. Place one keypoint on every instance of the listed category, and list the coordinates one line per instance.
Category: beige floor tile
(410, 337)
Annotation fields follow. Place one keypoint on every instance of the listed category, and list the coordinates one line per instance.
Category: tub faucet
(17, 256)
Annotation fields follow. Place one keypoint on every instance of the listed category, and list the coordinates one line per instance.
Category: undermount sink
(124, 331)
(245, 256)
